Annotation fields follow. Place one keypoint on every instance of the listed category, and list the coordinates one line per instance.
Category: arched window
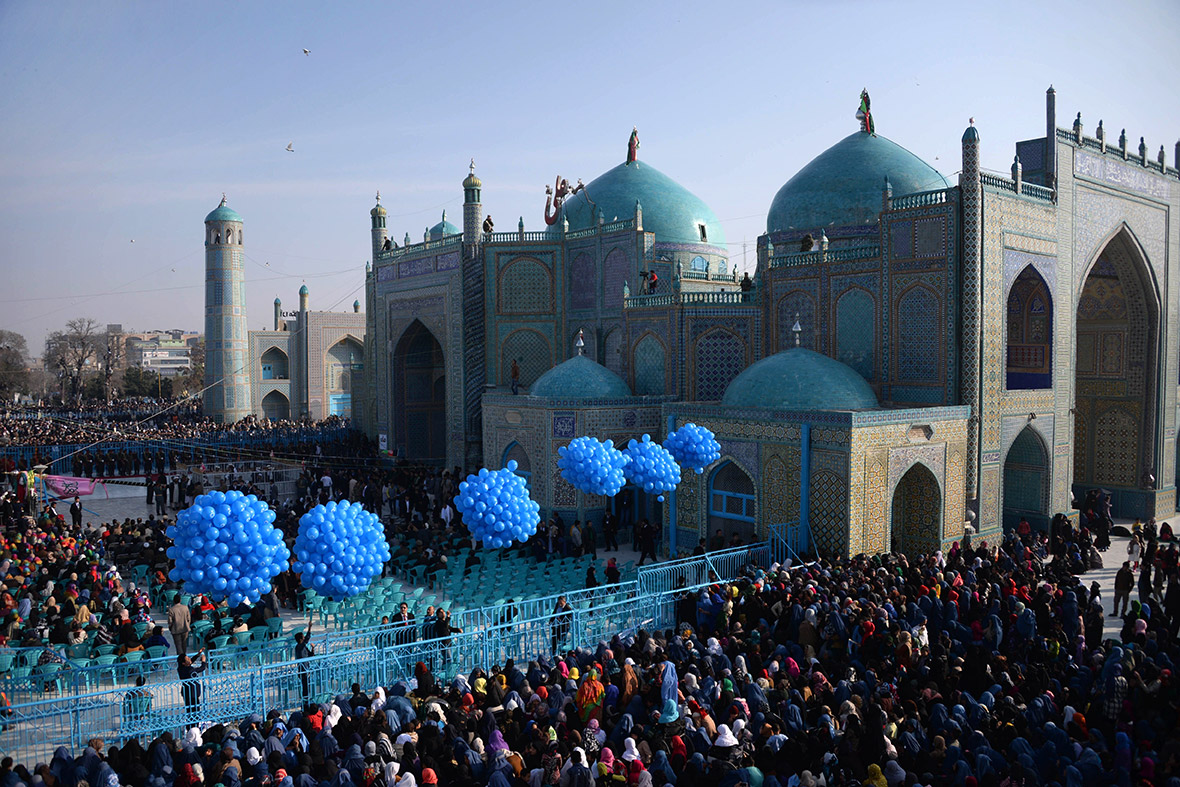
(524, 468)
(1030, 332)
(699, 265)
(731, 500)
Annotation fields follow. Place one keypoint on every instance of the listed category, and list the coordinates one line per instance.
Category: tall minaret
(227, 378)
(472, 210)
(377, 215)
(971, 383)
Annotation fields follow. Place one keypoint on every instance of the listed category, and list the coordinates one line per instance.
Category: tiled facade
(965, 308)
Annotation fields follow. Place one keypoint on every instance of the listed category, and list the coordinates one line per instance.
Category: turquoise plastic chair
(50, 674)
(6, 660)
(105, 650)
(133, 656)
(157, 652)
(108, 661)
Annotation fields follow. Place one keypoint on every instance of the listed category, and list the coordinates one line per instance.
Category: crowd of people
(986, 665)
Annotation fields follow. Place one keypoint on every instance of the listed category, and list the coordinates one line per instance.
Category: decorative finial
(580, 344)
(471, 166)
(971, 121)
(797, 328)
(223, 199)
(378, 196)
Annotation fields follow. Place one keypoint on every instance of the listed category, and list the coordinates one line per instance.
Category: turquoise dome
(223, 213)
(580, 378)
(303, 290)
(800, 379)
(671, 211)
(443, 228)
(842, 186)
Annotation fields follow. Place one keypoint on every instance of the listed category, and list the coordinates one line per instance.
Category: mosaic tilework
(856, 331)
(803, 304)
(930, 237)
(744, 453)
(919, 334)
(616, 269)
(901, 239)
(1098, 216)
(719, 356)
(1116, 440)
(875, 536)
(531, 352)
(564, 425)
(650, 368)
(525, 287)
(1026, 474)
(779, 491)
(829, 511)
(583, 282)
(613, 351)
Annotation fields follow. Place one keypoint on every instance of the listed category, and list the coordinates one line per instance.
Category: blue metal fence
(76, 710)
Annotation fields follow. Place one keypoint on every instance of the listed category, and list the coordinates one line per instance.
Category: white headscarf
(192, 737)
(378, 702)
(725, 737)
(334, 714)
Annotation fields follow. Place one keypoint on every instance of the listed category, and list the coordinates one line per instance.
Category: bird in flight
(307, 51)
(290, 147)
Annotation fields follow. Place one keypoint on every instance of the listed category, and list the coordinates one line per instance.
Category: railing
(207, 449)
(641, 301)
(1002, 183)
(997, 182)
(1036, 192)
(716, 297)
(701, 275)
(689, 298)
(816, 256)
(34, 729)
(413, 248)
(518, 237)
(789, 541)
(920, 199)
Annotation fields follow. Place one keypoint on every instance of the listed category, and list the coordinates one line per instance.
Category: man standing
(647, 541)
(76, 512)
(514, 376)
(610, 530)
(563, 614)
(180, 623)
(576, 539)
(304, 650)
(190, 688)
(1124, 580)
(589, 541)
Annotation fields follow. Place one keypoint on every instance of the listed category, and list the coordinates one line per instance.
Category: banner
(68, 486)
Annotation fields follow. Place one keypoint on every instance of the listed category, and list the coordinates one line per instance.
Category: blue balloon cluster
(593, 466)
(496, 507)
(340, 548)
(693, 446)
(651, 466)
(225, 545)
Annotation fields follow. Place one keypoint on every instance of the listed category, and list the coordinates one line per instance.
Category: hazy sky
(126, 121)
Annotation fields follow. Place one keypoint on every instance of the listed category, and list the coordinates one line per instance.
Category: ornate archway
(419, 396)
(1116, 383)
(916, 521)
(1027, 482)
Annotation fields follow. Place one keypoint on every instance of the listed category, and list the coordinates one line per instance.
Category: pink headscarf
(606, 757)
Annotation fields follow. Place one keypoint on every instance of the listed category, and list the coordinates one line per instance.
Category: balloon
(651, 466)
(222, 539)
(693, 446)
(341, 548)
(493, 502)
(593, 466)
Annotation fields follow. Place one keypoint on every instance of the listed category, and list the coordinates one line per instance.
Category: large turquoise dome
(842, 186)
(580, 378)
(800, 379)
(671, 211)
(223, 213)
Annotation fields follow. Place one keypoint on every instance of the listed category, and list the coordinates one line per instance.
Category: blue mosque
(913, 356)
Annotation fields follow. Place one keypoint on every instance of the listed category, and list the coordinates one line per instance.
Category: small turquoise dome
(580, 378)
(671, 211)
(223, 213)
(842, 186)
(800, 379)
(971, 134)
(278, 302)
(303, 290)
(443, 228)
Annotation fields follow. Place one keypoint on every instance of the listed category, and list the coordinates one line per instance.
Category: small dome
(377, 210)
(842, 186)
(971, 134)
(580, 378)
(303, 290)
(443, 228)
(278, 301)
(670, 211)
(223, 213)
(472, 182)
(800, 379)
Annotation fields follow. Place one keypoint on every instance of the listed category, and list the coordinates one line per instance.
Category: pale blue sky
(127, 120)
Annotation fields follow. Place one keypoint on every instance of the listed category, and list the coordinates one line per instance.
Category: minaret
(971, 196)
(377, 215)
(278, 314)
(472, 209)
(227, 377)
(304, 298)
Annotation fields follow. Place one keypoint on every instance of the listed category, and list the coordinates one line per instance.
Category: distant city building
(165, 352)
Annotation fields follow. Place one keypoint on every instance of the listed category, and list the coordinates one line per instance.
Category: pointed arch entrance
(1026, 482)
(732, 503)
(419, 395)
(1116, 385)
(916, 522)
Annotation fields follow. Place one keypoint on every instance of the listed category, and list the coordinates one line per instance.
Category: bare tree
(68, 353)
(113, 353)
(14, 365)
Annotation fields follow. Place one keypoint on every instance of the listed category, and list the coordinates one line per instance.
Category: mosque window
(699, 264)
(704, 235)
(731, 495)
(1030, 332)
